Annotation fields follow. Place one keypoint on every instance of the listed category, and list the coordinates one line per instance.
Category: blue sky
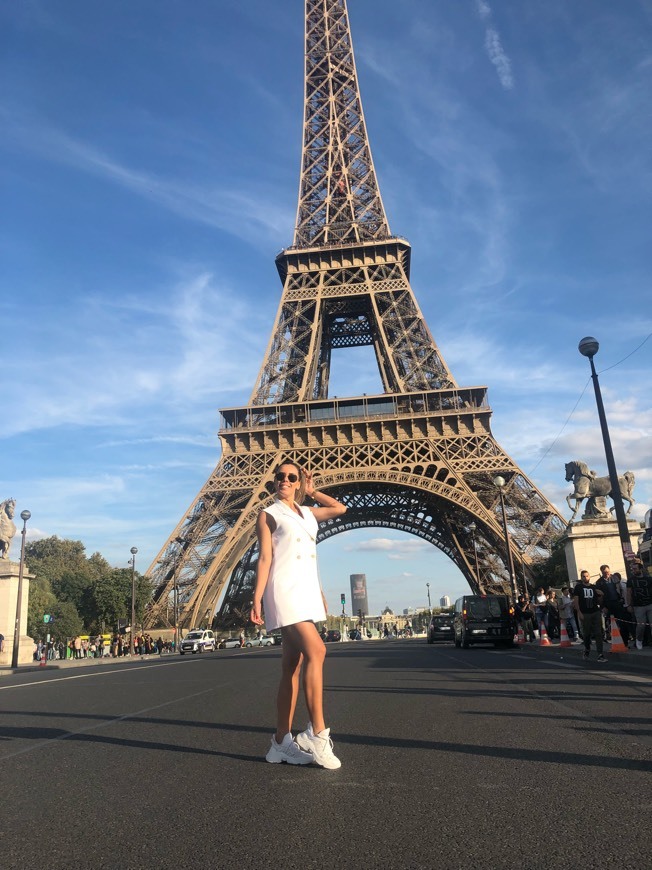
(149, 167)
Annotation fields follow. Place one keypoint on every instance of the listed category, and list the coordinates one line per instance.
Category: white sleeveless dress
(293, 592)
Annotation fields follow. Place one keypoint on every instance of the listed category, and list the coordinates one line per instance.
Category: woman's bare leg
(304, 637)
(288, 689)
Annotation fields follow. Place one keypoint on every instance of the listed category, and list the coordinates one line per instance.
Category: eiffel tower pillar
(419, 457)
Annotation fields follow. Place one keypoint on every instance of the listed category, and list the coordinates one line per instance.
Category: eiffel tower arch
(418, 457)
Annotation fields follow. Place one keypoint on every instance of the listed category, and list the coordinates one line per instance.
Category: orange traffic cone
(520, 635)
(617, 644)
(43, 662)
(544, 640)
(564, 639)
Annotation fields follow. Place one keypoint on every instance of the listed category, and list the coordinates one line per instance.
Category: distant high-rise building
(359, 594)
(444, 601)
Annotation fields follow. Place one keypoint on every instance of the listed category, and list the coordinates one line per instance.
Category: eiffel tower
(419, 457)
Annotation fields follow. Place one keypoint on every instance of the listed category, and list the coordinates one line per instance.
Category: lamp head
(589, 346)
(472, 526)
(499, 481)
(25, 515)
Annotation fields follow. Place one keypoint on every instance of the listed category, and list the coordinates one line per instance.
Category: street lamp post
(499, 483)
(177, 644)
(428, 588)
(132, 633)
(25, 515)
(588, 347)
(472, 529)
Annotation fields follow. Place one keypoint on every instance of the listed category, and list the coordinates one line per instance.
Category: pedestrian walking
(587, 601)
(287, 585)
(639, 599)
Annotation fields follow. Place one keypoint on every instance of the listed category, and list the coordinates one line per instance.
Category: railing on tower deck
(464, 400)
(345, 243)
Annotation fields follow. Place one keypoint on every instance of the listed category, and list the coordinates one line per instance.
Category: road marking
(612, 675)
(105, 673)
(97, 725)
(578, 666)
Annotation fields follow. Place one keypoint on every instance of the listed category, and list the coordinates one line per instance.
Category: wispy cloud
(484, 10)
(105, 359)
(468, 203)
(250, 213)
(493, 46)
(192, 440)
(395, 549)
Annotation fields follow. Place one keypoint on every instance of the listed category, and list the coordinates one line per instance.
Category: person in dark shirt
(612, 602)
(524, 616)
(587, 601)
(639, 599)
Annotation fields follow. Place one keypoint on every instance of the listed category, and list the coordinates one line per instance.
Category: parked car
(483, 619)
(440, 629)
(229, 643)
(263, 640)
(333, 636)
(198, 641)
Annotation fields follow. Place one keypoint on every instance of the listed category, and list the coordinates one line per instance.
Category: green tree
(553, 570)
(53, 557)
(111, 593)
(98, 593)
(67, 622)
(41, 601)
(64, 564)
(112, 597)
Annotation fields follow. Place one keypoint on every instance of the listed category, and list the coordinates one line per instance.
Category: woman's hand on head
(310, 487)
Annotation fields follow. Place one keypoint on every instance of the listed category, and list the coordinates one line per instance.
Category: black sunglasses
(281, 476)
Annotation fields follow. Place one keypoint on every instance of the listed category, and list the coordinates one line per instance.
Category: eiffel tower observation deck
(419, 457)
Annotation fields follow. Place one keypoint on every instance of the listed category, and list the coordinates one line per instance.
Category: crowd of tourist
(586, 610)
(98, 647)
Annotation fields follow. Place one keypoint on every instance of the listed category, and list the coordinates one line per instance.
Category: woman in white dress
(287, 584)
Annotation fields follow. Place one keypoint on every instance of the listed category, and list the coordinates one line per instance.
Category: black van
(483, 619)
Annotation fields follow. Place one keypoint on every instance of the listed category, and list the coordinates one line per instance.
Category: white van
(198, 640)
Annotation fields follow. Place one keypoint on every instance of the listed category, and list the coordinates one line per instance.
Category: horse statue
(586, 484)
(7, 526)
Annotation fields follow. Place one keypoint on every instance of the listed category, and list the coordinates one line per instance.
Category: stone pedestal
(8, 596)
(591, 543)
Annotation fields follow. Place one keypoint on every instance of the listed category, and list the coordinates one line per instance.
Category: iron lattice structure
(420, 457)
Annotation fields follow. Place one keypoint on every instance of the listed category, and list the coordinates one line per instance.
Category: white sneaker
(320, 746)
(287, 751)
(639, 644)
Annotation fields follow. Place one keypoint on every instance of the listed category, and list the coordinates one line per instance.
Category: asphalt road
(450, 758)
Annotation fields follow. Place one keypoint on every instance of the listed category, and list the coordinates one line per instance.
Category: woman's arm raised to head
(327, 507)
